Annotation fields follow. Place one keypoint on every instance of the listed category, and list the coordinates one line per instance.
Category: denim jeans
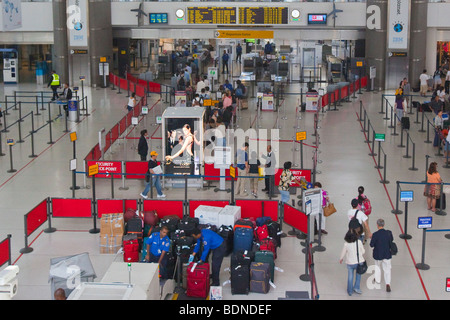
(156, 183)
(285, 195)
(357, 280)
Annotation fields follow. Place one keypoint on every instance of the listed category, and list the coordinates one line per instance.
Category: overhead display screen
(263, 15)
(158, 18)
(317, 18)
(211, 15)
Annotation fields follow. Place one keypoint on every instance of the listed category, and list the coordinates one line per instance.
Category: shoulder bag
(362, 267)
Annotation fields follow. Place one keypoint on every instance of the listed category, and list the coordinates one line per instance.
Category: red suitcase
(198, 280)
(131, 250)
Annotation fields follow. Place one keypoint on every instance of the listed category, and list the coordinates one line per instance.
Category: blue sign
(158, 18)
(424, 222)
(407, 196)
(72, 105)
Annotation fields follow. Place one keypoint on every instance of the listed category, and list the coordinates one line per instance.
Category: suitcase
(416, 104)
(135, 226)
(268, 244)
(226, 232)
(186, 247)
(242, 257)
(274, 231)
(259, 277)
(197, 281)
(267, 257)
(245, 223)
(130, 250)
(405, 123)
(129, 213)
(425, 107)
(261, 233)
(438, 202)
(170, 222)
(242, 239)
(240, 279)
(262, 221)
(150, 217)
(187, 226)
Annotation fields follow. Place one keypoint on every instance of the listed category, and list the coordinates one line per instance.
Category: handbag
(329, 209)
(361, 268)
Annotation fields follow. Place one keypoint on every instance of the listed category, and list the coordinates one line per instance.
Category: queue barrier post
(422, 265)
(397, 198)
(405, 234)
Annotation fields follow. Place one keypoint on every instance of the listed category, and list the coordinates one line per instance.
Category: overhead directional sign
(244, 34)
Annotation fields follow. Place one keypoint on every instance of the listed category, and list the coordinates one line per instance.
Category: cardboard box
(112, 224)
(229, 215)
(208, 215)
(110, 243)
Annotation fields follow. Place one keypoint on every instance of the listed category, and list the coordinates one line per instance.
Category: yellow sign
(233, 171)
(244, 34)
(214, 102)
(73, 136)
(359, 63)
(207, 102)
(102, 59)
(93, 169)
(299, 136)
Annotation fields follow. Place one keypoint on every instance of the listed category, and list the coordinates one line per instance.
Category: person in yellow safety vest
(54, 83)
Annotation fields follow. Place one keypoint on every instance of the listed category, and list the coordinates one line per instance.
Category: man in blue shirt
(211, 241)
(228, 85)
(157, 245)
(238, 52)
(225, 58)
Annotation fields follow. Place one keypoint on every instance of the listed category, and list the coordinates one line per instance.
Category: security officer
(211, 241)
(54, 83)
(158, 244)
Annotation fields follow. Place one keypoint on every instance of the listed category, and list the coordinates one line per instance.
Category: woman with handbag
(320, 218)
(353, 255)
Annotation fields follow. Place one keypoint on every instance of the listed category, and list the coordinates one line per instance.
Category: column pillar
(376, 37)
(418, 41)
(60, 54)
(100, 37)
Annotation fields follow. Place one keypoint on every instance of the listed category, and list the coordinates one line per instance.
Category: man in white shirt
(423, 83)
(361, 217)
(447, 82)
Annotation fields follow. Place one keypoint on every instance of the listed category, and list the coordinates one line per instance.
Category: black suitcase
(242, 257)
(405, 123)
(226, 232)
(438, 202)
(416, 104)
(274, 231)
(240, 279)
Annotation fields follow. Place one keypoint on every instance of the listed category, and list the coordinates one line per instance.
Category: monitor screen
(156, 18)
(317, 18)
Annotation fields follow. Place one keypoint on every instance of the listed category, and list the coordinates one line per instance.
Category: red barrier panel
(115, 133)
(105, 206)
(136, 169)
(325, 100)
(71, 208)
(295, 218)
(154, 87)
(254, 208)
(364, 82)
(36, 217)
(140, 90)
(211, 171)
(194, 204)
(344, 92)
(123, 84)
(165, 207)
(133, 204)
(5, 252)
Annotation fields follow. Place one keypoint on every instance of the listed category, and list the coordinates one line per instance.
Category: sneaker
(254, 194)
(357, 291)
(388, 288)
(143, 196)
(161, 196)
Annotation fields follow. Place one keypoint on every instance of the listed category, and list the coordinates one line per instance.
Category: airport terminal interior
(321, 82)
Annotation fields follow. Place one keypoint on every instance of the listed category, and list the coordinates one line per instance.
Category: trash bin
(72, 106)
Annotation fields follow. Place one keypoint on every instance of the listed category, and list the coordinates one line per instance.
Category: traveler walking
(152, 165)
(54, 83)
(352, 253)
(381, 244)
(143, 145)
(242, 166)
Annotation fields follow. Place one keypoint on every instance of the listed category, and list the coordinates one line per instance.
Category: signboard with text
(298, 173)
(107, 167)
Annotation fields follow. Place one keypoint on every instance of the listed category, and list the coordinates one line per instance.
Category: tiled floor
(344, 165)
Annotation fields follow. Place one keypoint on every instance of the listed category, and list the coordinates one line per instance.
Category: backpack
(354, 222)
(367, 206)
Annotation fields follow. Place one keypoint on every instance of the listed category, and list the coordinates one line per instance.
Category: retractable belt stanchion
(422, 265)
(32, 132)
(306, 276)
(11, 158)
(1, 145)
(405, 234)
(94, 203)
(397, 198)
(50, 125)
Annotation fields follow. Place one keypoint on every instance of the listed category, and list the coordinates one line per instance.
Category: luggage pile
(252, 265)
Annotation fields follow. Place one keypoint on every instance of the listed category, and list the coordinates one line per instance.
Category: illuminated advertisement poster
(398, 24)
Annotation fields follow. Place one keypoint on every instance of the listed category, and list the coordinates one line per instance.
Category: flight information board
(263, 15)
(211, 15)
